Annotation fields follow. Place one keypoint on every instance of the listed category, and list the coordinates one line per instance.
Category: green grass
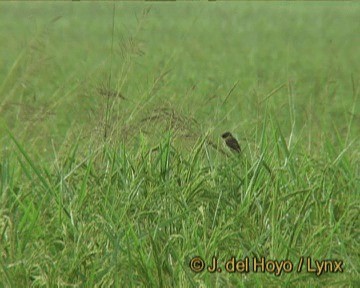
(112, 169)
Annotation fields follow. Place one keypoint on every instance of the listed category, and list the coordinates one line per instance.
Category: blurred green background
(215, 62)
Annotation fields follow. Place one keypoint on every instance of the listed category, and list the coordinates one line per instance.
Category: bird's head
(226, 135)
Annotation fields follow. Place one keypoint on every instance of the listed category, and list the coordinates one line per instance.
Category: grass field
(112, 168)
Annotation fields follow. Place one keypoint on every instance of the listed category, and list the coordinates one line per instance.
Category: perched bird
(231, 142)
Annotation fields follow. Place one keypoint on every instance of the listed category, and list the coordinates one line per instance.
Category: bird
(231, 142)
